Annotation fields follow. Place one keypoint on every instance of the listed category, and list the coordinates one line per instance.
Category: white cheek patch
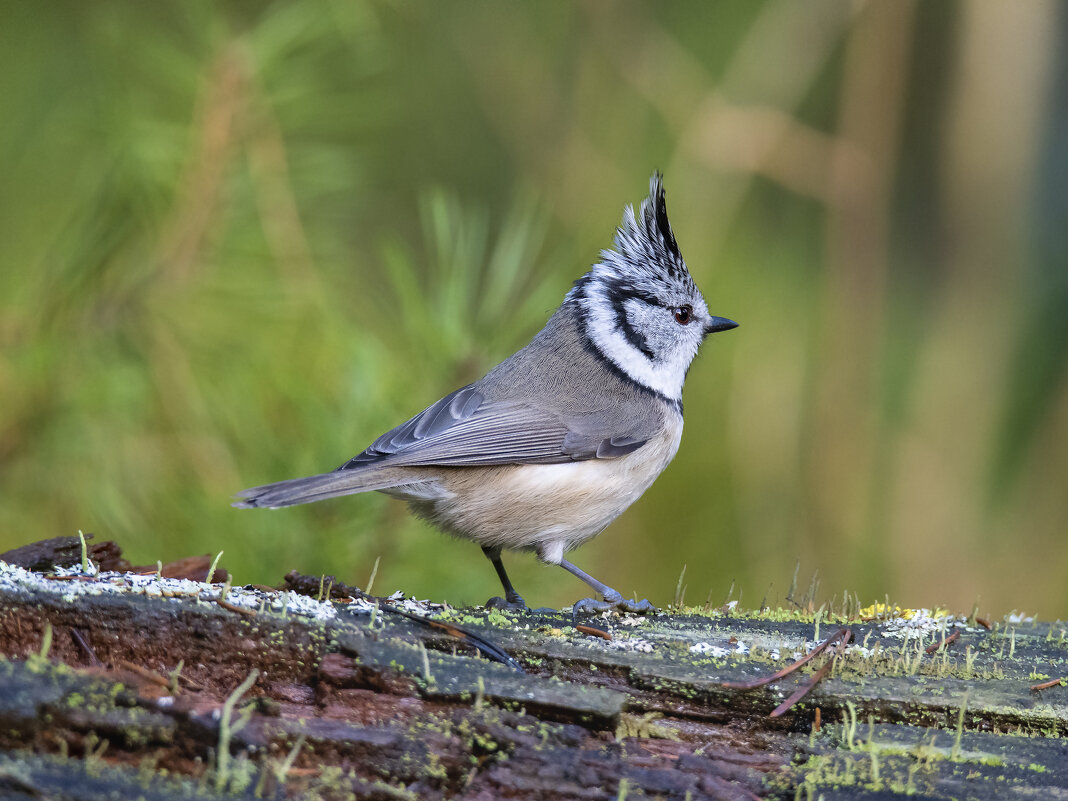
(663, 378)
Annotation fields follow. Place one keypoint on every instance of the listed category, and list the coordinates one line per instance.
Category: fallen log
(147, 686)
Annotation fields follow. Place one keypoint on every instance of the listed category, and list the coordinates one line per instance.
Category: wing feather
(465, 429)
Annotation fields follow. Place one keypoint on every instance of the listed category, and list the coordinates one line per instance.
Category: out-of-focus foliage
(238, 241)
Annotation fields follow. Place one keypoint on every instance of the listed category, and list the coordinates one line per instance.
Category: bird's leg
(511, 599)
(612, 598)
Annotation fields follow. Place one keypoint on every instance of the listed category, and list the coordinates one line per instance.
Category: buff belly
(546, 508)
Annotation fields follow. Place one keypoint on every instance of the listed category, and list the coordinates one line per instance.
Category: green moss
(645, 726)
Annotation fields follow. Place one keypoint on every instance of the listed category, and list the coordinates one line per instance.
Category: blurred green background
(240, 240)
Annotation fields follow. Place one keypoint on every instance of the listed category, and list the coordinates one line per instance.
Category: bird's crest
(646, 255)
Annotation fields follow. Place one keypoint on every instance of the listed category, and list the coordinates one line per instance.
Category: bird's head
(640, 307)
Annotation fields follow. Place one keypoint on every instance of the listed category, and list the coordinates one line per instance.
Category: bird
(556, 441)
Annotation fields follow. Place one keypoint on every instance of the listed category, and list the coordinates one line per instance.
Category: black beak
(719, 324)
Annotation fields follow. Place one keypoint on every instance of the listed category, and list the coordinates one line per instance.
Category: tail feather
(318, 488)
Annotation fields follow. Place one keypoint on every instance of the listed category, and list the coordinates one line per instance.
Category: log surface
(117, 685)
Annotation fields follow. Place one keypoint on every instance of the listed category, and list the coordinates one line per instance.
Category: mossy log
(119, 685)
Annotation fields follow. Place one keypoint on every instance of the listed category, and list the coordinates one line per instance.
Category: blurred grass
(239, 241)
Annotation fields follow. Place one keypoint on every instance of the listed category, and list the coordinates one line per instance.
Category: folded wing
(464, 429)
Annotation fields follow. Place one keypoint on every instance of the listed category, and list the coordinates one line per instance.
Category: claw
(514, 605)
(612, 598)
(618, 604)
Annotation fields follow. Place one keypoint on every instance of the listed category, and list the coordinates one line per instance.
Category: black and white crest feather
(645, 246)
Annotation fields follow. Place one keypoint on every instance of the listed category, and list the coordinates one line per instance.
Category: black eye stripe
(631, 334)
(618, 296)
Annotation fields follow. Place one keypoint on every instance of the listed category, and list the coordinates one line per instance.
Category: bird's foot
(614, 601)
(513, 603)
(517, 604)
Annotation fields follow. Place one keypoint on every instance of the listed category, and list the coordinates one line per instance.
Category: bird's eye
(683, 314)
